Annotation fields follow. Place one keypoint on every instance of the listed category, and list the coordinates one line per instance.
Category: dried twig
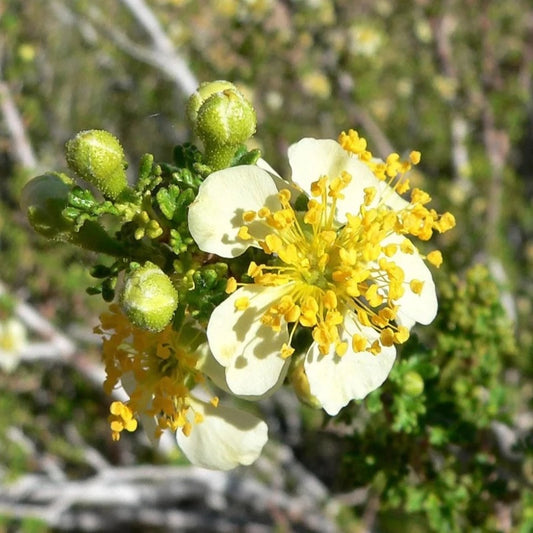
(22, 149)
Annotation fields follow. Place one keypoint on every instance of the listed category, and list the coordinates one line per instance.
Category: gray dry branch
(186, 499)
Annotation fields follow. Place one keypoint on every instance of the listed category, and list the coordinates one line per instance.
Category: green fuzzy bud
(205, 90)
(43, 199)
(413, 384)
(148, 297)
(223, 119)
(226, 118)
(98, 157)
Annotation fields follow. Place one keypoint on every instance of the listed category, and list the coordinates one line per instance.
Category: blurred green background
(452, 79)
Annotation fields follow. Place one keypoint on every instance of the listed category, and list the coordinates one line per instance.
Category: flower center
(330, 270)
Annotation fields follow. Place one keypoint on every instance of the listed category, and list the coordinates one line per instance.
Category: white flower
(164, 374)
(12, 340)
(338, 264)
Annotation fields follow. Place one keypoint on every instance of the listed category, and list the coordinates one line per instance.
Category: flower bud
(205, 90)
(413, 384)
(223, 119)
(226, 118)
(97, 156)
(148, 297)
(43, 199)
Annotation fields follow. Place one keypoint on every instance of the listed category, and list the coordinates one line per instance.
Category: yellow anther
(418, 196)
(244, 233)
(328, 236)
(314, 212)
(354, 222)
(374, 299)
(187, 428)
(387, 337)
(254, 270)
(198, 418)
(415, 157)
(405, 166)
(407, 247)
(322, 262)
(336, 185)
(318, 188)
(231, 285)
(435, 258)
(286, 351)
(351, 142)
(214, 401)
(309, 309)
(341, 348)
(293, 314)
(359, 343)
(370, 194)
(403, 186)
(271, 320)
(346, 178)
(289, 254)
(416, 286)
(387, 314)
(375, 348)
(329, 300)
(347, 257)
(390, 249)
(341, 275)
(242, 303)
(284, 196)
(401, 335)
(273, 242)
(263, 212)
(352, 288)
(249, 216)
(445, 223)
(333, 318)
(363, 318)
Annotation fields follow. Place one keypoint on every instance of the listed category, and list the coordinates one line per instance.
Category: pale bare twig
(177, 498)
(22, 149)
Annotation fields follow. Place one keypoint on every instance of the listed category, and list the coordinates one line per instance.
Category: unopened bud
(43, 199)
(98, 157)
(205, 90)
(148, 297)
(223, 119)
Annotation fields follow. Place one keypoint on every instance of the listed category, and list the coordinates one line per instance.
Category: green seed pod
(148, 297)
(98, 157)
(43, 199)
(413, 384)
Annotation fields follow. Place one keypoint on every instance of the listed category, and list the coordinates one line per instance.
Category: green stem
(219, 156)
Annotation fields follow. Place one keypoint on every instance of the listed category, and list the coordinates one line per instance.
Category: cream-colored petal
(335, 381)
(261, 163)
(249, 350)
(226, 437)
(413, 307)
(312, 158)
(215, 216)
